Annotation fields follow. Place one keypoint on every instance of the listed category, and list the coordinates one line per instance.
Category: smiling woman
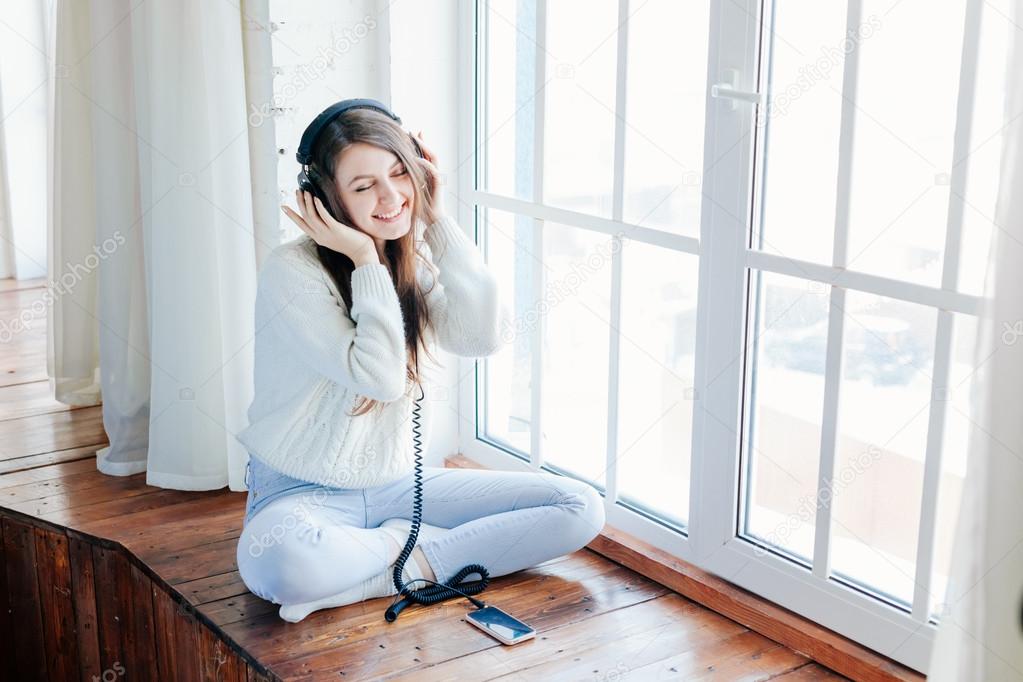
(341, 315)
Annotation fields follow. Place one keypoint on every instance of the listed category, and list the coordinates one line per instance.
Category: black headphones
(308, 178)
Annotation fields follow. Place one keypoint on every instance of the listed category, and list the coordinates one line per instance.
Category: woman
(342, 313)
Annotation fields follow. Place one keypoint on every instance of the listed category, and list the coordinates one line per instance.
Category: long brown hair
(400, 255)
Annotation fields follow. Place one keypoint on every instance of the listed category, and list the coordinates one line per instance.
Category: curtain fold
(980, 636)
(152, 184)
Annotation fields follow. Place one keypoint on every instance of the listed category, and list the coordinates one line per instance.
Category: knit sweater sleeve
(465, 307)
(365, 352)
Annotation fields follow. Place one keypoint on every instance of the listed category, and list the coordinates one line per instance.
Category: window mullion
(836, 309)
(536, 340)
(617, 201)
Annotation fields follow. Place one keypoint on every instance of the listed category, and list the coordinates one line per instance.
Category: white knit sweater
(313, 360)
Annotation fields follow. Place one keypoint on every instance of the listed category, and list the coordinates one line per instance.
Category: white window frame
(729, 211)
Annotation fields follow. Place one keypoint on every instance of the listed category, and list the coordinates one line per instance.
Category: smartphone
(499, 625)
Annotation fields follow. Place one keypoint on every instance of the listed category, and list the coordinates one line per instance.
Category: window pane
(801, 161)
(507, 97)
(664, 128)
(885, 394)
(575, 311)
(508, 372)
(579, 128)
(786, 394)
(902, 140)
(986, 144)
(959, 420)
(656, 355)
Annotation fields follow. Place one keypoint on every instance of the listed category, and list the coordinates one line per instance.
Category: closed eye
(404, 171)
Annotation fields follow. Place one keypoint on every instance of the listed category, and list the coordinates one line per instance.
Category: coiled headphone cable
(436, 592)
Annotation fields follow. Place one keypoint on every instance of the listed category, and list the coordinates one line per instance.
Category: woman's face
(373, 183)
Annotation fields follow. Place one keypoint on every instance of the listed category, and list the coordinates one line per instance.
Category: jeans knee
(275, 562)
(588, 516)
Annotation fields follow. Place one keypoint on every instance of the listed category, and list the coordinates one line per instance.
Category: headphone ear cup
(304, 183)
(415, 143)
(309, 182)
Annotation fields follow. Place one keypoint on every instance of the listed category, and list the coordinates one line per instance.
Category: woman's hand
(317, 222)
(433, 172)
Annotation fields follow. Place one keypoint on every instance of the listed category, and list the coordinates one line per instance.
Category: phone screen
(500, 623)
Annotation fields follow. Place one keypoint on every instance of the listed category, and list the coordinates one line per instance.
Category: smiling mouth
(397, 216)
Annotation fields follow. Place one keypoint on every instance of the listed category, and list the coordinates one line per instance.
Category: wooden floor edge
(180, 601)
(775, 622)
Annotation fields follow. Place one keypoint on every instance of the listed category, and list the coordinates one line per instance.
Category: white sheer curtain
(23, 78)
(980, 636)
(151, 212)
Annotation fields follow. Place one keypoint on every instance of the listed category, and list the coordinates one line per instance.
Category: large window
(744, 243)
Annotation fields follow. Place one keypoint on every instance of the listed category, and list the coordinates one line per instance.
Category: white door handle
(727, 90)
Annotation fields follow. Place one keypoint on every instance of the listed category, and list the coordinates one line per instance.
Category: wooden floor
(595, 619)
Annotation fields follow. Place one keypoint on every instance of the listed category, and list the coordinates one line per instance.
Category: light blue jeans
(310, 542)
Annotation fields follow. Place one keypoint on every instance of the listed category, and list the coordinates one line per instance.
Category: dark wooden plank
(213, 588)
(122, 589)
(627, 653)
(49, 432)
(195, 562)
(706, 662)
(23, 357)
(53, 571)
(81, 515)
(642, 632)
(47, 458)
(108, 488)
(7, 643)
(153, 534)
(164, 616)
(810, 671)
(70, 485)
(254, 675)
(84, 592)
(108, 608)
(372, 647)
(765, 664)
(23, 592)
(186, 638)
(772, 620)
(48, 472)
(143, 632)
(197, 504)
(219, 663)
(238, 607)
(28, 399)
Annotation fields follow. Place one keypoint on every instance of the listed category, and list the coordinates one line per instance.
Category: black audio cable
(436, 592)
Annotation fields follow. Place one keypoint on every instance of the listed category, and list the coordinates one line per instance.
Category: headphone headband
(305, 147)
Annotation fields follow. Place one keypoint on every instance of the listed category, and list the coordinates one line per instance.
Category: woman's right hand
(317, 222)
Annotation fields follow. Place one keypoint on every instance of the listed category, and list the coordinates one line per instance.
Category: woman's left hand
(435, 179)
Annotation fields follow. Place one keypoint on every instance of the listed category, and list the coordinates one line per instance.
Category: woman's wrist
(365, 258)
